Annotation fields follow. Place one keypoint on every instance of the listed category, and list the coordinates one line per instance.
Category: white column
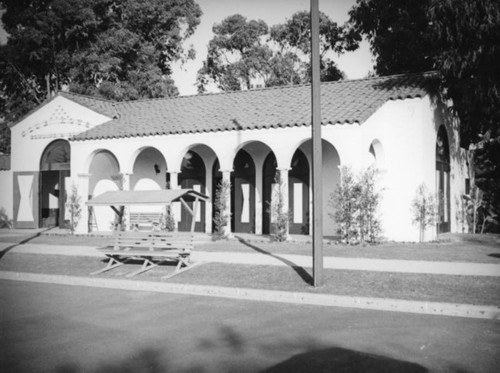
(82, 182)
(126, 212)
(226, 177)
(176, 206)
(208, 204)
(259, 193)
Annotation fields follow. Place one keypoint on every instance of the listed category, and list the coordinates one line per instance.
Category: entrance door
(54, 169)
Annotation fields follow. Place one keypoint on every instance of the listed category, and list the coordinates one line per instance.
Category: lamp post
(317, 177)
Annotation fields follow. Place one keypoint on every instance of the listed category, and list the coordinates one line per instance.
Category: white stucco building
(246, 138)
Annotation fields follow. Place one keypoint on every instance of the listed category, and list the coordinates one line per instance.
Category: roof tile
(347, 101)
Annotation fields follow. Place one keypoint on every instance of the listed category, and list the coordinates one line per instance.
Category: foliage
(278, 211)
(5, 222)
(74, 207)
(423, 208)
(221, 217)
(245, 50)
(357, 201)
(167, 222)
(481, 212)
(116, 50)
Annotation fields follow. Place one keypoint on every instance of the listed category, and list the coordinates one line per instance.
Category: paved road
(56, 328)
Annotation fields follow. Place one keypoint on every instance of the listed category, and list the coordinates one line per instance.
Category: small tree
(357, 201)
(221, 217)
(279, 213)
(423, 209)
(168, 219)
(73, 205)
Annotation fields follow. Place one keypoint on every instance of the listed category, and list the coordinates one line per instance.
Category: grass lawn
(451, 247)
(436, 288)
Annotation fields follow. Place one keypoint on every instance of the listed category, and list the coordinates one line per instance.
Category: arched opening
(330, 180)
(298, 192)
(243, 193)
(54, 173)
(193, 176)
(104, 176)
(149, 165)
(269, 179)
(443, 180)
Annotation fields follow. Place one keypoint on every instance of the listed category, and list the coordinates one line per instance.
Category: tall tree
(113, 49)
(243, 50)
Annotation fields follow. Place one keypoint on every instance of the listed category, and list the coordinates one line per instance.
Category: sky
(355, 64)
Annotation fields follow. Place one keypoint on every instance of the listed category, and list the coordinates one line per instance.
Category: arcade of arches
(254, 179)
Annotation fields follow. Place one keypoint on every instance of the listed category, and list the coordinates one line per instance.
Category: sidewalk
(329, 262)
(291, 297)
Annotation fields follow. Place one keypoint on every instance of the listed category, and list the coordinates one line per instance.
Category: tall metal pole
(317, 176)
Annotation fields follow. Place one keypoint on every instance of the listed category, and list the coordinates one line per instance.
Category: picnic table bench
(152, 248)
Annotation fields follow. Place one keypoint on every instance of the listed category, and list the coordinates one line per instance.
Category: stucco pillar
(283, 174)
(126, 186)
(259, 193)
(176, 206)
(226, 178)
(82, 183)
(208, 204)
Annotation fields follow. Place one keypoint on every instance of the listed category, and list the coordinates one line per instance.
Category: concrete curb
(395, 305)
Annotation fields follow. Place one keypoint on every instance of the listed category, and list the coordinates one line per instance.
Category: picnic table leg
(178, 268)
(146, 266)
(112, 263)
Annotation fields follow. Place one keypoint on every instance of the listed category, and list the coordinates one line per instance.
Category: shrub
(279, 213)
(73, 205)
(5, 222)
(423, 210)
(221, 217)
(357, 201)
(168, 220)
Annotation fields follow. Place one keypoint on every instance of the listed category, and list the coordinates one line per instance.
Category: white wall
(6, 192)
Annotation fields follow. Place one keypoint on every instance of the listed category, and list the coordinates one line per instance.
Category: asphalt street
(57, 328)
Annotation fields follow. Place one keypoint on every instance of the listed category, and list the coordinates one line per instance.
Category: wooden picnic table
(150, 248)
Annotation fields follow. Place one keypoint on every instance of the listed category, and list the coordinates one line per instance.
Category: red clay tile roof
(347, 101)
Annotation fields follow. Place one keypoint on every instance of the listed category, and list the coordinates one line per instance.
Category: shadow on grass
(23, 241)
(304, 275)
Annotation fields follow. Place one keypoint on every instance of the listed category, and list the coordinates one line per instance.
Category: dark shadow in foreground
(304, 275)
(340, 360)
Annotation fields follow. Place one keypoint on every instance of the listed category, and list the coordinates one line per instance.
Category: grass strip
(421, 287)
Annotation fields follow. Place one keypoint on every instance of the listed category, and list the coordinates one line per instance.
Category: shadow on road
(304, 275)
(341, 360)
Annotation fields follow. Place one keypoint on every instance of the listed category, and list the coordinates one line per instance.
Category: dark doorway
(268, 179)
(298, 194)
(243, 194)
(443, 180)
(54, 169)
(192, 176)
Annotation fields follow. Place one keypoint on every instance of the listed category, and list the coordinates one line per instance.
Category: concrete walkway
(328, 300)
(361, 264)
